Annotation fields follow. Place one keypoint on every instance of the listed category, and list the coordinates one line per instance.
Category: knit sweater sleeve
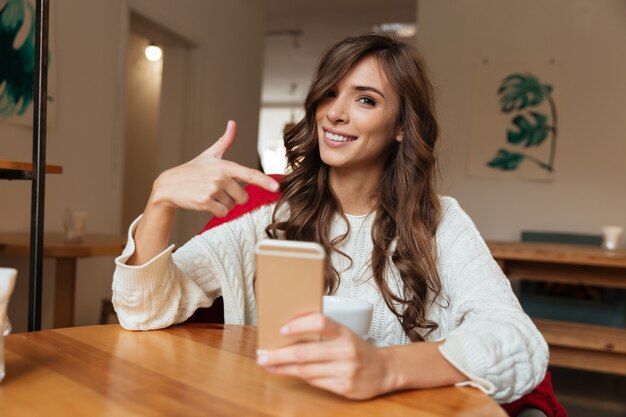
(490, 338)
(169, 288)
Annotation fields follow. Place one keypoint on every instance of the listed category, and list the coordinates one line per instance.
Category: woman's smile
(334, 138)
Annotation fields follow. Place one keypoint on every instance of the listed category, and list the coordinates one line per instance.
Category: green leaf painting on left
(17, 57)
(519, 92)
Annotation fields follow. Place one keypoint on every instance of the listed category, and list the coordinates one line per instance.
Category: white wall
(90, 51)
(588, 39)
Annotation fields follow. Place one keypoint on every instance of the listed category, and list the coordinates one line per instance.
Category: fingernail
(262, 359)
(284, 330)
(275, 187)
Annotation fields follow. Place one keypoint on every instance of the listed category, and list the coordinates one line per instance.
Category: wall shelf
(13, 170)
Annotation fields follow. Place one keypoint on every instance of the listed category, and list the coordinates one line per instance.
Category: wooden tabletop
(189, 370)
(558, 253)
(25, 166)
(18, 243)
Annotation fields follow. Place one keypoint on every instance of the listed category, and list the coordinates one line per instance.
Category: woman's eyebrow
(367, 88)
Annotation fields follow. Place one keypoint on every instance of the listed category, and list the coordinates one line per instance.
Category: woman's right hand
(207, 182)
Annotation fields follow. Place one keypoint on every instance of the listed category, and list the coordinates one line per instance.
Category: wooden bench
(585, 346)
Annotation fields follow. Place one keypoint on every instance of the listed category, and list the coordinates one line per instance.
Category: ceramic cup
(7, 282)
(354, 313)
(611, 236)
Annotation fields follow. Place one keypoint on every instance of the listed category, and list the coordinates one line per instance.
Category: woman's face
(356, 122)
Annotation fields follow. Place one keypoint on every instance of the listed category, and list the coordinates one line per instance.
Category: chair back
(561, 237)
(575, 303)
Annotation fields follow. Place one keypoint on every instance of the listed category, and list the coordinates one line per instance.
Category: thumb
(219, 148)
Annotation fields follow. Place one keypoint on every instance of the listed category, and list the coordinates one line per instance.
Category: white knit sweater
(487, 335)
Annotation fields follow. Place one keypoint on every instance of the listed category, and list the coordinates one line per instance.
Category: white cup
(7, 282)
(611, 236)
(354, 313)
(74, 224)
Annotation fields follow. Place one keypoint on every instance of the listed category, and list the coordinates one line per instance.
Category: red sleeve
(541, 398)
(257, 197)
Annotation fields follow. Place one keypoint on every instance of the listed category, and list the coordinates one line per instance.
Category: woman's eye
(367, 101)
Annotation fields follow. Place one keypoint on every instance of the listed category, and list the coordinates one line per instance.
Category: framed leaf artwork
(17, 62)
(514, 121)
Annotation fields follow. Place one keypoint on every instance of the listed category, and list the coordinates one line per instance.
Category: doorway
(155, 106)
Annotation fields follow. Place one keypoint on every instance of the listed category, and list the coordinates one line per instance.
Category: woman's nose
(337, 112)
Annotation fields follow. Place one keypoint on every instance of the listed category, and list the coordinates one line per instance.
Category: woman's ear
(400, 135)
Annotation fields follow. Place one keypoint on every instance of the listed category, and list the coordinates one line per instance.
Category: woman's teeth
(338, 138)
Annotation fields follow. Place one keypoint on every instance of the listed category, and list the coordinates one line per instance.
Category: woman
(361, 183)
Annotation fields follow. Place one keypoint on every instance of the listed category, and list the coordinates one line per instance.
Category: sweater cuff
(137, 277)
(464, 357)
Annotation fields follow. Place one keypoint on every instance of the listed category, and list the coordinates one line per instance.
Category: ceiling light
(402, 30)
(153, 53)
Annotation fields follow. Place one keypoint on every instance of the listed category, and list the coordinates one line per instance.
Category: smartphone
(289, 283)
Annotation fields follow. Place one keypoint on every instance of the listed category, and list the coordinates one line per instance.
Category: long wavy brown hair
(407, 209)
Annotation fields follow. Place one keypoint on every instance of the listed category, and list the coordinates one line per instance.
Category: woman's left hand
(342, 363)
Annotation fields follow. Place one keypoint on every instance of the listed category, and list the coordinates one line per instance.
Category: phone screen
(289, 283)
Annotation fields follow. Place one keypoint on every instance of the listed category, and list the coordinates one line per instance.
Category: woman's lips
(336, 138)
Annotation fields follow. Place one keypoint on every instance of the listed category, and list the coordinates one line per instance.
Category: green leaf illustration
(17, 67)
(506, 161)
(527, 133)
(518, 91)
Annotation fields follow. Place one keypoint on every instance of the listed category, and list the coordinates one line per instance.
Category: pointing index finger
(252, 176)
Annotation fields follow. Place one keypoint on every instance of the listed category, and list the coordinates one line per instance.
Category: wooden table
(574, 345)
(567, 264)
(189, 370)
(66, 255)
(13, 170)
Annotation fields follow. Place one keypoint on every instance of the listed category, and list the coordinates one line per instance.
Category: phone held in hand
(289, 283)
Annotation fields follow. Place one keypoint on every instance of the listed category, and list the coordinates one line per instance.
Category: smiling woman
(360, 183)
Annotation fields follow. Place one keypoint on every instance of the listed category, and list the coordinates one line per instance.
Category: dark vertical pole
(40, 93)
